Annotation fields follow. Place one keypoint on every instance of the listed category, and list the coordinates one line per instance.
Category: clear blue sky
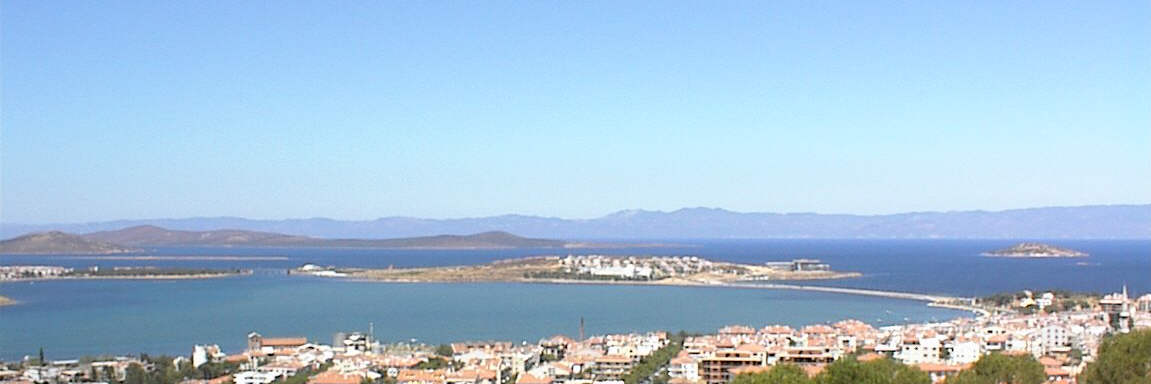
(357, 110)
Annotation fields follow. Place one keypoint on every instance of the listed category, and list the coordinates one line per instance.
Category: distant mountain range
(1084, 222)
(133, 239)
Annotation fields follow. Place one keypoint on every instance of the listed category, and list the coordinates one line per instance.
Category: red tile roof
(283, 341)
(331, 377)
(527, 378)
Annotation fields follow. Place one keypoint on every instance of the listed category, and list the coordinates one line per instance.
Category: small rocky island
(1035, 250)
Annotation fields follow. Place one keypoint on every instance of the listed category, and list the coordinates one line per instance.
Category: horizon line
(616, 212)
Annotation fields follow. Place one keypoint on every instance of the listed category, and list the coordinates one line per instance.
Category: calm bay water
(83, 317)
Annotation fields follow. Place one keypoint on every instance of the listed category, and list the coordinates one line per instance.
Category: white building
(923, 350)
(629, 271)
(253, 377)
(965, 352)
(1045, 300)
(203, 354)
(685, 367)
(282, 368)
(1055, 338)
(41, 374)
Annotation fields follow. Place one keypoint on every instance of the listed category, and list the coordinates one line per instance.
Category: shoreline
(1035, 256)
(187, 258)
(936, 301)
(135, 277)
(556, 269)
(980, 312)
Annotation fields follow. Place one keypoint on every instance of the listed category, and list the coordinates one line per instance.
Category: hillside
(1084, 222)
(149, 235)
(156, 236)
(1034, 250)
(492, 239)
(56, 242)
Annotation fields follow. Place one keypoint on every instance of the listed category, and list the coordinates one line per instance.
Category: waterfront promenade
(855, 291)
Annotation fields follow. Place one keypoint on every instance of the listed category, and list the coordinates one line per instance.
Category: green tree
(213, 370)
(300, 377)
(651, 364)
(779, 374)
(1123, 359)
(998, 368)
(444, 350)
(439, 363)
(135, 374)
(881, 371)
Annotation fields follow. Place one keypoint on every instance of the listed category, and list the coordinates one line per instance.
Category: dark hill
(155, 236)
(150, 235)
(493, 239)
(56, 242)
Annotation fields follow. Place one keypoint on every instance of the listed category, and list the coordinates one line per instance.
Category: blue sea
(88, 317)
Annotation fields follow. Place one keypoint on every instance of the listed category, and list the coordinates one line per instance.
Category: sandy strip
(188, 258)
(137, 277)
(937, 300)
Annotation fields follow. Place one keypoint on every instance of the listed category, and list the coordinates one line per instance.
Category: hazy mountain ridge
(1099, 221)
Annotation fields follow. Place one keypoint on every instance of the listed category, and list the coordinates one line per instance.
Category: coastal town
(1063, 342)
(575, 192)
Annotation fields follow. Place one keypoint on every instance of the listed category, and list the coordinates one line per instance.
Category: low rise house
(203, 354)
(810, 355)
(684, 366)
(258, 344)
(964, 351)
(528, 378)
(612, 367)
(283, 368)
(916, 350)
(940, 372)
(254, 377)
(421, 376)
(472, 376)
(716, 367)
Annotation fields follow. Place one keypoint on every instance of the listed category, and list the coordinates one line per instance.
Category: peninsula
(48, 272)
(129, 240)
(55, 242)
(1034, 250)
(656, 270)
(148, 235)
